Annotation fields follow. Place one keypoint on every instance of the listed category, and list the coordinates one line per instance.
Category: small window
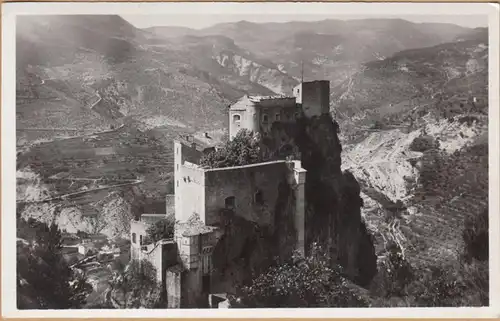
(177, 166)
(230, 202)
(278, 117)
(236, 118)
(177, 151)
(140, 239)
(177, 183)
(134, 236)
(264, 119)
(258, 198)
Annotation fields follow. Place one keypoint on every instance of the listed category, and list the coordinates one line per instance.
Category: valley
(96, 123)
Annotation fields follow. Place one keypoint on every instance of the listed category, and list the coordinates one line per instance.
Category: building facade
(258, 113)
(184, 263)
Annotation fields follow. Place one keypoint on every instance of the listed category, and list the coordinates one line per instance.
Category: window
(177, 183)
(278, 117)
(177, 166)
(134, 238)
(236, 118)
(140, 239)
(258, 198)
(264, 119)
(230, 202)
(177, 151)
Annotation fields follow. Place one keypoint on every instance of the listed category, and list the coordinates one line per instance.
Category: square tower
(314, 97)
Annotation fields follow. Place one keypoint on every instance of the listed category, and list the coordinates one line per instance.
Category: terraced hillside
(453, 188)
(124, 170)
(418, 144)
(445, 79)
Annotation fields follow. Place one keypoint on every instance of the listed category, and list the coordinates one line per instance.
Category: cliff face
(271, 78)
(333, 208)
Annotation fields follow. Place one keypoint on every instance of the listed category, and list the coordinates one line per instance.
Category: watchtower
(314, 97)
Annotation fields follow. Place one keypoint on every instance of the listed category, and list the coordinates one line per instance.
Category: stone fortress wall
(249, 191)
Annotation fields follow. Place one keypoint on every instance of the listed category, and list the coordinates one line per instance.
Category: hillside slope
(93, 72)
(330, 49)
(415, 130)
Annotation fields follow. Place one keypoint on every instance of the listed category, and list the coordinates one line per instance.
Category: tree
(134, 286)
(438, 287)
(163, 229)
(45, 280)
(475, 236)
(396, 272)
(243, 149)
(301, 282)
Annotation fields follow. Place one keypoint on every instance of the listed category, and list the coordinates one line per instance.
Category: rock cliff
(333, 208)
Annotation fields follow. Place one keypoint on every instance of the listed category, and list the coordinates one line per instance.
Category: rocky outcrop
(333, 203)
(269, 77)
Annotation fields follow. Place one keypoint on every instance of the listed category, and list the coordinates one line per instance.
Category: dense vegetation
(163, 229)
(301, 282)
(134, 286)
(243, 149)
(45, 281)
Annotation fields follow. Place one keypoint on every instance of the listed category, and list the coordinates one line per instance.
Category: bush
(475, 236)
(395, 274)
(135, 286)
(243, 149)
(422, 144)
(44, 279)
(301, 282)
(163, 229)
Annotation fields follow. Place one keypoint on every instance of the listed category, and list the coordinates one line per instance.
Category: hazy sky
(202, 21)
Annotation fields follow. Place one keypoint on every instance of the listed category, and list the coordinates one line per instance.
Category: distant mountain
(93, 72)
(441, 75)
(478, 34)
(331, 49)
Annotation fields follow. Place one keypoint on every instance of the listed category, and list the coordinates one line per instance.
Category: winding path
(66, 196)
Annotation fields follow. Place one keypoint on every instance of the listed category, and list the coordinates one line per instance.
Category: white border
(9, 150)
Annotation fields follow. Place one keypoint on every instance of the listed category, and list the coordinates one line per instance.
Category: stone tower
(314, 97)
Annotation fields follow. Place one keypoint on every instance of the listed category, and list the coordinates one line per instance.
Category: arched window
(134, 236)
(236, 118)
(230, 202)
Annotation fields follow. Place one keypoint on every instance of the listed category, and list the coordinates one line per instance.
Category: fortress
(204, 197)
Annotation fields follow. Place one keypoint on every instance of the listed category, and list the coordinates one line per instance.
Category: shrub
(163, 229)
(44, 279)
(475, 236)
(135, 286)
(395, 274)
(301, 282)
(243, 149)
(422, 144)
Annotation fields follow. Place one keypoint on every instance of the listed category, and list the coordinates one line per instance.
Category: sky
(202, 21)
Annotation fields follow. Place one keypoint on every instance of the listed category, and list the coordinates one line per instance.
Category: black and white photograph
(261, 158)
